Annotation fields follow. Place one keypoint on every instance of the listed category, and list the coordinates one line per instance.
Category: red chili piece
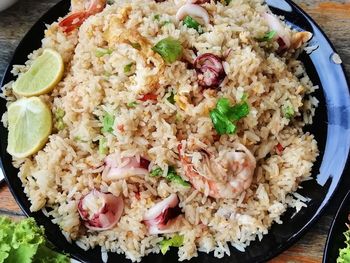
(149, 96)
(279, 149)
(210, 71)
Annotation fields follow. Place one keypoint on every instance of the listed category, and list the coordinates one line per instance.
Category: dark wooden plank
(8, 205)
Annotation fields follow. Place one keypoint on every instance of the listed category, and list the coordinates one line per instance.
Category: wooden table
(333, 17)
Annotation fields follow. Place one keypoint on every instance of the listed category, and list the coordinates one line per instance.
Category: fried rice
(70, 166)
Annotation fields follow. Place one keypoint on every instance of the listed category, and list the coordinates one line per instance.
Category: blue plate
(331, 129)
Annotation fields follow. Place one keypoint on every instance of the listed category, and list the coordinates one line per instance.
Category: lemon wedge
(43, 75)
(30, 124)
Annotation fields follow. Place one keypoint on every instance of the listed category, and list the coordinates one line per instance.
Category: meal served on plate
(144, 125)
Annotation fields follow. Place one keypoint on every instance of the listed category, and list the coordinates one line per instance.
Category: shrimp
(226, 176)
(76, 19)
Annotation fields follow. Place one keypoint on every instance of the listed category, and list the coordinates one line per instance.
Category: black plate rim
(294, 238)
(316, 218)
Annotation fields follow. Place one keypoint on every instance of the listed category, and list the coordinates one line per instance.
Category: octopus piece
(162, 217)
(100, 211)
(210, 71)
(192, 10)
(224, 178)
(283, 36)
(118, 168)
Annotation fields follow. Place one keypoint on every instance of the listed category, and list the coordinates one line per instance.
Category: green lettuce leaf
(25, 242)
(344, 253)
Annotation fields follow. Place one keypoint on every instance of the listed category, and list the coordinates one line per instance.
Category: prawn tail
(73, 21)
(97, 6)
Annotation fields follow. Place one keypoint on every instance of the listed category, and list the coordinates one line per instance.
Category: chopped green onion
(156, 172)
(127, 68)
(77, 138)
(178, 117)
(60, 125)
(108, 122)
(268, 36)
(224, 116)
(288, 111)
(244, 97)
(175, 241)
(172, 176)
(110, 2)
(107, 74)
(59, 114)
(156, 17)
(135, 45)
(102, 146)
(192, 23)
(169, 48)
(171, 98)
(100, 52)
(166, 22)
(132, 104)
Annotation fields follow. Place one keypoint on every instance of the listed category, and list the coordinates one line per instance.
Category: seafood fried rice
(175, 124)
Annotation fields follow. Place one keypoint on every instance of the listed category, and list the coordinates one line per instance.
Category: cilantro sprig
(224, 116)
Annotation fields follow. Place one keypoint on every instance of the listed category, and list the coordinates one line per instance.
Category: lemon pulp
(43, 75)
(30, 124)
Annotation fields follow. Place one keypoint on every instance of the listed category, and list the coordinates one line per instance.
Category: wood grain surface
(333, 17)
